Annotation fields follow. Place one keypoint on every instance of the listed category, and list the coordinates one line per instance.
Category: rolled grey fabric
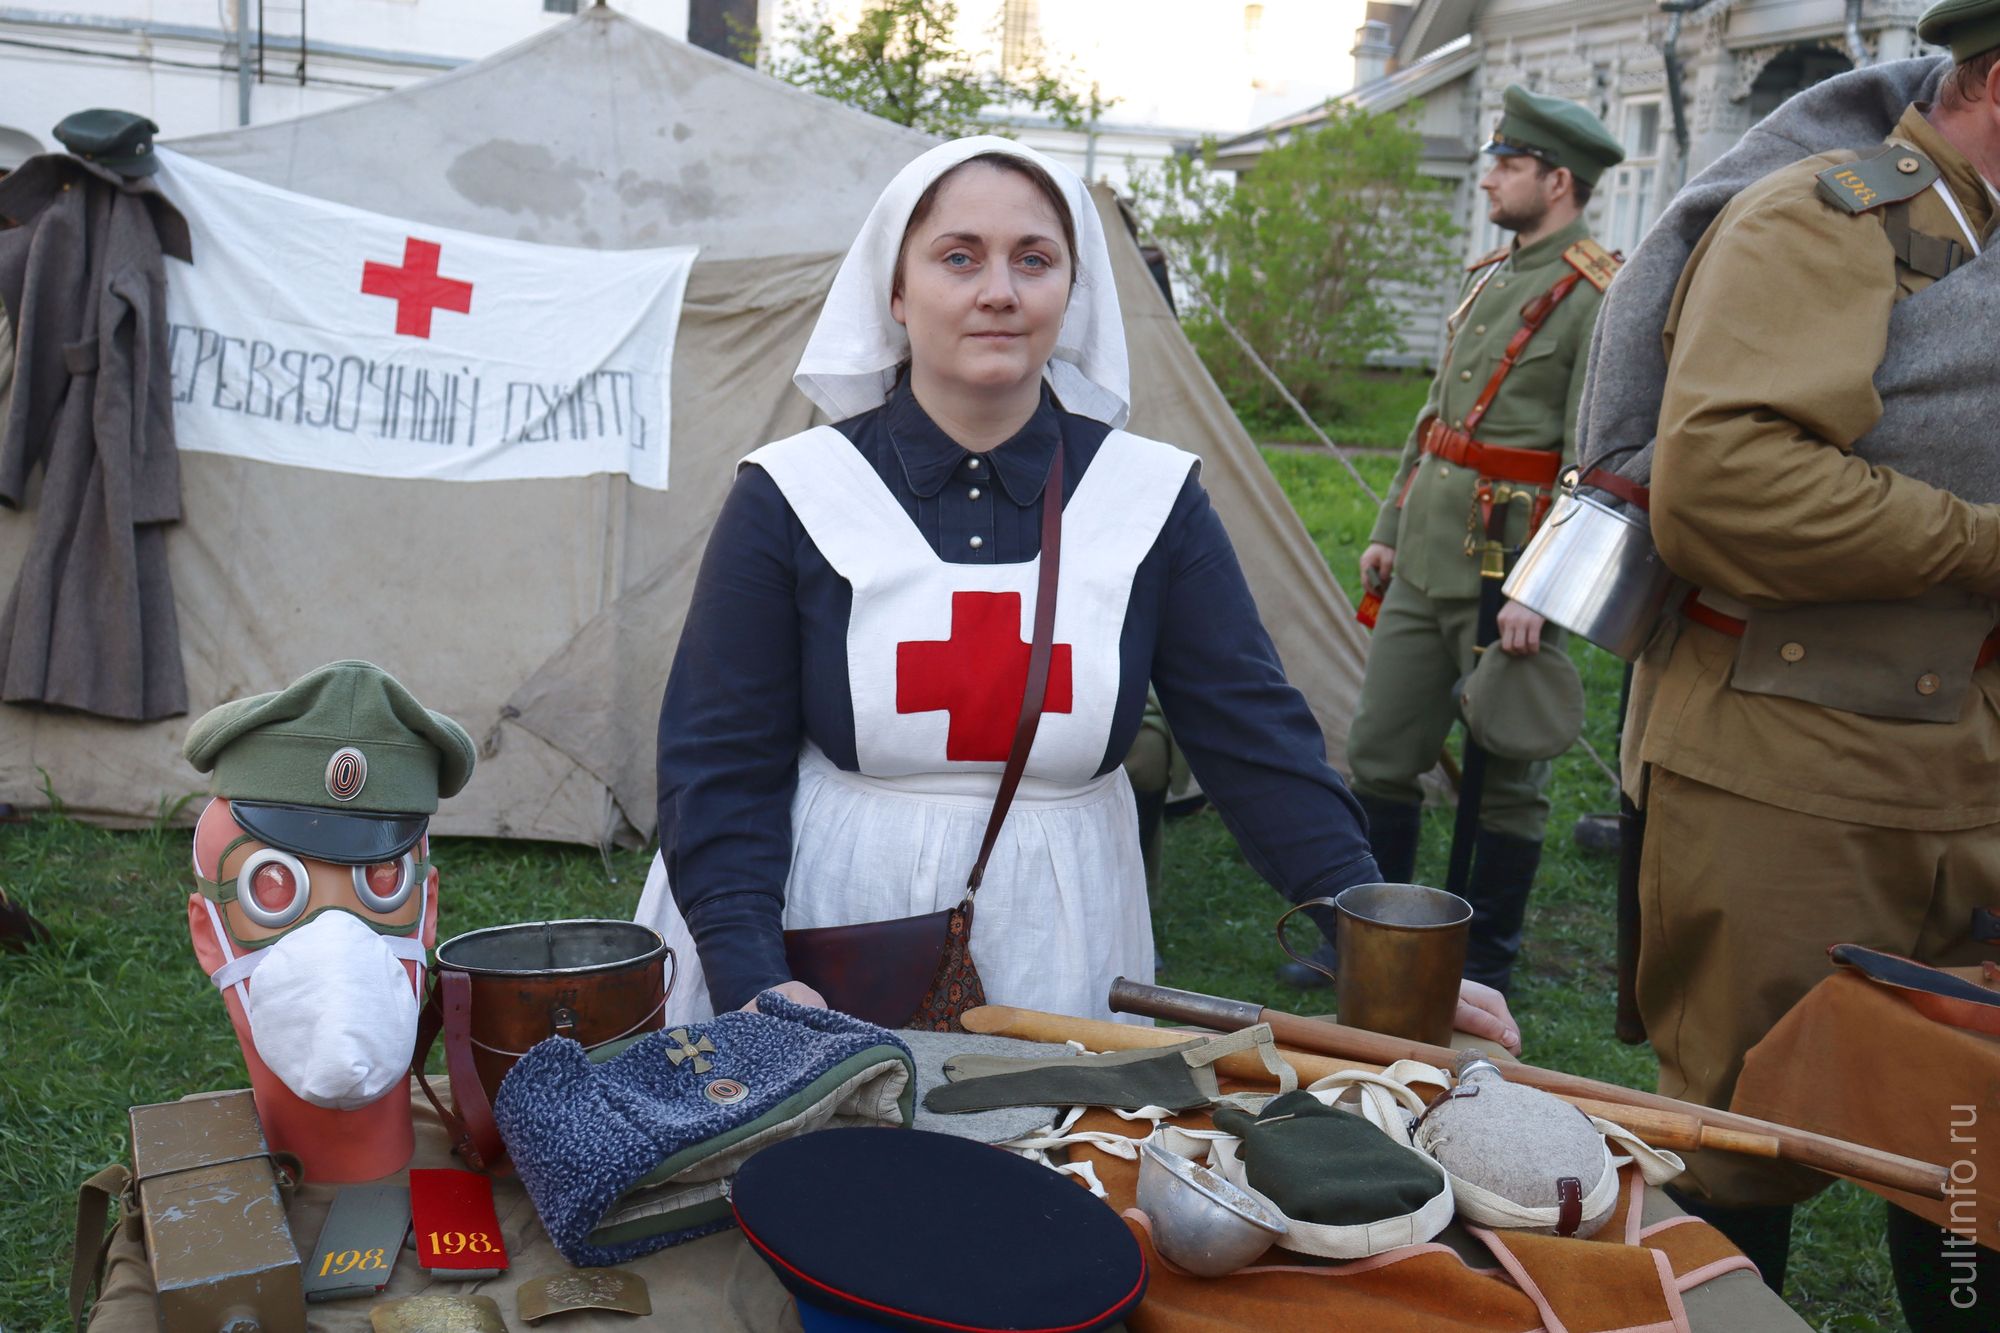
(1936, 383)
(932, 1049)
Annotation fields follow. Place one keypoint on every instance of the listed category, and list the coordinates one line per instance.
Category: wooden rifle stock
(1718, 1129)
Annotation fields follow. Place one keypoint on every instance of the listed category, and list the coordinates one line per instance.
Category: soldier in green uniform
(1499, 424)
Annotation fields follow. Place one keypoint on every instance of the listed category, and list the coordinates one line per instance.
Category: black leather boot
(1762, 1231)
(1503, 873)
(1394, 829)
(1944, 1280)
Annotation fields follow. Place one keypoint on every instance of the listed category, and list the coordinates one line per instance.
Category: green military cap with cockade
(343, 764)
(120, 141)
(1969, 28)
(1558, 132)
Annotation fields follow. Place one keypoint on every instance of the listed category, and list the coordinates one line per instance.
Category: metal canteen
(1594, 571)
(1201, 1222)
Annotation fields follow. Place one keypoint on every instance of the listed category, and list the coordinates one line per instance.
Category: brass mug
(1402, 953)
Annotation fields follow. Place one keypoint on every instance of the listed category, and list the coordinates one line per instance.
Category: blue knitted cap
(630, 1154)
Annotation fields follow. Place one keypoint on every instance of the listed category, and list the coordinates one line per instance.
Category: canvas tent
(544, 614)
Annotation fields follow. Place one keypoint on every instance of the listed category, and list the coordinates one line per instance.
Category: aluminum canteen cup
(1594, 571)
(1201, 1222)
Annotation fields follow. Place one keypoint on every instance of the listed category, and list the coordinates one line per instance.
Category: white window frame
(1630, 191)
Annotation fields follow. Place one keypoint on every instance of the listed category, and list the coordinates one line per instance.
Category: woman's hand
(1482, 1011)
(800, 993)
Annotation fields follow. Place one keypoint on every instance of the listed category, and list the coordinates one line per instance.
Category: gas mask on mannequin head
(315, 900)
(316, 951)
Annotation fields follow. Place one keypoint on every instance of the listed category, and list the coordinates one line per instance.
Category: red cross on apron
(937, 653)
(977, 676)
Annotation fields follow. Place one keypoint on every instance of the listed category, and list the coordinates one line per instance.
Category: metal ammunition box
(221, 1251)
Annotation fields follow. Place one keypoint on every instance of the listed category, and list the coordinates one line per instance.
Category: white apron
(937, 657)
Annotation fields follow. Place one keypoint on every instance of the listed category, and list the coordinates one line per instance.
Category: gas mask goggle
(316, 913)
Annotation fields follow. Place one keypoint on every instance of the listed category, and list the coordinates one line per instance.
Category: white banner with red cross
(322, 336)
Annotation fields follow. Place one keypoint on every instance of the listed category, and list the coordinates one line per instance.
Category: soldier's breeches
(1739, 902)
(1420, 649)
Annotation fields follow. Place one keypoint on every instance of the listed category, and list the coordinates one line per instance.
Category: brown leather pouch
(879, 970)
(917, 971)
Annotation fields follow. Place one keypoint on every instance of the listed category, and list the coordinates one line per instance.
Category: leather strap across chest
(1533, 316)
(1492, 462)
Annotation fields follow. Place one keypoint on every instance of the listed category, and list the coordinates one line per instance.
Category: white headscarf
(850, 361)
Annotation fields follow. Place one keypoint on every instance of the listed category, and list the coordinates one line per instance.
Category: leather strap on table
(475, 1137)
(1039, 653)
(1721, 622)
(1533, 316)
(1569, 1205)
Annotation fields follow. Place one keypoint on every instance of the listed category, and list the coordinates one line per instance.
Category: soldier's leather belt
(1701, 613)
(1498, 462)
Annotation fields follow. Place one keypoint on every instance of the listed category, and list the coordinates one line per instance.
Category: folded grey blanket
(1939, 392)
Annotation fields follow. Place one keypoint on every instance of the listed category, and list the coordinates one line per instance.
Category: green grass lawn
(1373, 409)
(116, 1013)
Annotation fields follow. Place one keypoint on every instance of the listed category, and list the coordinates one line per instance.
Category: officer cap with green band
(1969, 28)
(342, 765)
(121, 141)
(1555, 131)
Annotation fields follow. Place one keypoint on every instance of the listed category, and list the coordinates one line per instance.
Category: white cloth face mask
(332, 1011)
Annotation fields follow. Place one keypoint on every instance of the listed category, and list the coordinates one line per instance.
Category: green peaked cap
(1970, 28)
(344, 737)
(119, 140)
(1556, 131)
(1522, 708)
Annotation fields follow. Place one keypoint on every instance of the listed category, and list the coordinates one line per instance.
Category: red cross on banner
(416, 287)
(978, 676)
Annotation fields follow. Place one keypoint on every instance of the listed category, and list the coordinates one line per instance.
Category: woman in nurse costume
(848, 683)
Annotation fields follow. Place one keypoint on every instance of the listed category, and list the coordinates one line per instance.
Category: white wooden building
(1446, 63)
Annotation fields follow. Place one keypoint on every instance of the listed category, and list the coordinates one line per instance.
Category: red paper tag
(452, 1215)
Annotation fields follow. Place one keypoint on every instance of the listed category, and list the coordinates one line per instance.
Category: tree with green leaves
(1305, 254)
(900, 60)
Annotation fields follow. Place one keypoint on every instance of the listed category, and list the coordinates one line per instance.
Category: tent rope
(1194, 289)
(1610, 775)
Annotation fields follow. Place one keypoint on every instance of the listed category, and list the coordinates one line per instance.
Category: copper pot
(593, 981)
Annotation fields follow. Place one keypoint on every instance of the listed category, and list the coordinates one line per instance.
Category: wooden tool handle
(1819, 1151)
(1681, 1133)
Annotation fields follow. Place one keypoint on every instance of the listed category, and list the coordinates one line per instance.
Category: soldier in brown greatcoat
(1821, 737)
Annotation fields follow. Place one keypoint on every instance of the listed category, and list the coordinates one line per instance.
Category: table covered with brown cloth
(719, 1285)
(1854, 1060)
